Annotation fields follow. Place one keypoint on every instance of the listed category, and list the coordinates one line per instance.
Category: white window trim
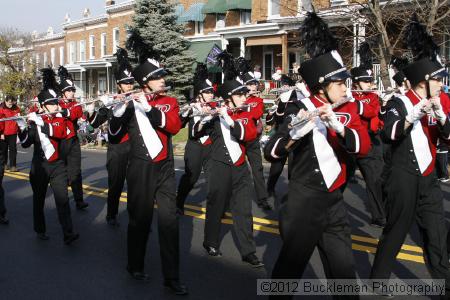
(196, 26)
(45, 60)
(217, 15)
(116, 43)
(269, 9)
(92, 46)
(79, 50)
(103, 45)
(53, 56)
(61, 56)
(72, 52)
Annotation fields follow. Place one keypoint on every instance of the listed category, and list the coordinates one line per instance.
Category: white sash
(418, 138)
(234, 149)
(149, 135)
(204, 138)
(46, 144)
(328, 163)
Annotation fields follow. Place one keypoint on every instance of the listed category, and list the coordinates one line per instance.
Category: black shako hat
(149, 70)
(364, 71)
(326, 64)
(65, 80)
(48, 94)
(231, 87)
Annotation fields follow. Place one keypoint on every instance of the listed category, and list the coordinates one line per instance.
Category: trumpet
(309, 115)
(216, 111)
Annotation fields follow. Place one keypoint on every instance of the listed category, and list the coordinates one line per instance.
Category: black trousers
(229, 186)
(371, 167)
(410, 198)
(11, 147)
(311, 218)
(276, 168)
(41, 174)
(442, 161)
(385, 173)
(196, 157)
(253, 152)
(116, 164)
(2, 191)
(149, 183)
(73, 164)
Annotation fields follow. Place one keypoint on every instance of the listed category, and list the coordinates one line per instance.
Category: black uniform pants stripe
(73, 163)
(116, 164)
(10, 145)
(253, 152)
(229, 185)
(371, 167)
(311, 218)
(149, 183)
(41, 174)
(412, 197)
(196, 157)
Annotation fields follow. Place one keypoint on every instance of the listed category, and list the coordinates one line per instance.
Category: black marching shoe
(212, 251)
(138, 275)
(379, 223)
(82, 205)
(112, 221)
(180, 211)
(4, 220)
(176, 287)
(70, 238)
(42, 236)
(264, 204)
(253, 260)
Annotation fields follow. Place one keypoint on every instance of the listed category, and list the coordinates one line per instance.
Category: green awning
(201, 51)
(239, 4)
(194, 13)
(215, 7)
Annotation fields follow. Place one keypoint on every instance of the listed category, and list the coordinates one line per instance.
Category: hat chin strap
(325, 92)
(428, 89)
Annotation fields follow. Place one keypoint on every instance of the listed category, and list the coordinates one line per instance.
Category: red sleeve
(367, 107)
(170, 119)
(75, 112)
(2, 124)
(357, 138)
(57, 128)
(256, 107)
(244, 128)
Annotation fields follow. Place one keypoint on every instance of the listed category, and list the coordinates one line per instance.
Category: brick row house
(264, 31)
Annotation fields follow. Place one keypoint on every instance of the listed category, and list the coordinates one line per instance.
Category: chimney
(110, 2)
(86, 13)
(67, 18)
(50, 31)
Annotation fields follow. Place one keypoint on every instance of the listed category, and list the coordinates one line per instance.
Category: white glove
(298, 132)
(143, 100)
(106, 100)
(224, 115)
(273, 109)
(22, 124)
(90, 108)
(419, 110)
(206, 119)
(36, 119)
(437, 112)
(331, 121)
(119, 109)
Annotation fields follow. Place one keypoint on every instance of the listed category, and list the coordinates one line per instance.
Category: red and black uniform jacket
(414, 149)
(46, 139)
(320, 158)
(72, 112)
(98, 118)
(368, 110)
(163, 119)
(11, 127)
(228, 142)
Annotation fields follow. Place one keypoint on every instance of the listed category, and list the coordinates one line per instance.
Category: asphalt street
(94, 267)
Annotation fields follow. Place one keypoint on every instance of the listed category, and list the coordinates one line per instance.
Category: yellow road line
(102, 193)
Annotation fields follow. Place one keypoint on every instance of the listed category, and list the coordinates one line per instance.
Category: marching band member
(118, 146)
(230, 183)
(253, 148)
(314, 213)
(10, 109)
(370, 165)
(46, 134)
(3, 219)
(150, 122)
(72, 112)
(413, 124)
(198, 149)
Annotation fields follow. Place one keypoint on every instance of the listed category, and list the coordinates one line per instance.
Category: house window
(72, 52)
(116, 39)
(246, 17)
(52, 56)
(220, 20)
(103, 44)
(91, 47)
(274, 8)
(82, 50)
(61, 56)
(45, 59)
(102, 86)
(38, 60)
(198, 27)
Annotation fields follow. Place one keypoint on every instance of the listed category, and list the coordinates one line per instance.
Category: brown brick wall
(45, 47)
(288, 8)
(233, 18)
(210, 23)
(259, 10)
(321, 4)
